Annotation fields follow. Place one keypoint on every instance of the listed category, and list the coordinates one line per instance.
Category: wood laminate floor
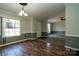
(37, 47)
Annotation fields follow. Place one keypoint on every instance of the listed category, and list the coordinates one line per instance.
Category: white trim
(71, 47)
(72, 35)
(16, 42)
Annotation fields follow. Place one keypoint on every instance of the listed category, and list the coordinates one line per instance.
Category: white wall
(56, 23)
(72, 20)
(72, 25)
(34, 25)
(58, 26)
(0, 27)
(26, 25)
(39, 29)
(57, 17)
(39, 26)
(44, 25)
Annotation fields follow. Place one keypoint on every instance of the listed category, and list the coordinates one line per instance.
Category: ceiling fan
(23, 4)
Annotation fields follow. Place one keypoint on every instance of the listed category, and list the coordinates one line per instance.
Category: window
(11, 27)
(49, 30)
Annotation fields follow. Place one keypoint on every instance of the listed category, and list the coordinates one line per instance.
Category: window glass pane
(11, 27)
(17, 24)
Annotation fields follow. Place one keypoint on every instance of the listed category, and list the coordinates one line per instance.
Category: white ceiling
(35, 9)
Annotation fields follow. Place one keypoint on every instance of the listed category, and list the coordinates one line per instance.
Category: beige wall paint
(72, 19)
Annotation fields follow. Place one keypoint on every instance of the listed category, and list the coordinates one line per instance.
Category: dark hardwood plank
(38, 47)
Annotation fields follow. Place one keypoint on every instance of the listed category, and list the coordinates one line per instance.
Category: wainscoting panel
(44, 33)
(17, 38)
(72, 41)
(28, 35)
(1, 41)
(58, 32)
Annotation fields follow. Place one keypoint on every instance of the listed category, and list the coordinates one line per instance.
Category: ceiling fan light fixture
(22, 12)
(25, 14)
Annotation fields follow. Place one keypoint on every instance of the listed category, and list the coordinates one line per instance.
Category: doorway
(56, 29)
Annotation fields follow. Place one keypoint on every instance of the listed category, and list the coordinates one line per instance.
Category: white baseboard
(16, 42)
(71, 48)
(72, 35)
